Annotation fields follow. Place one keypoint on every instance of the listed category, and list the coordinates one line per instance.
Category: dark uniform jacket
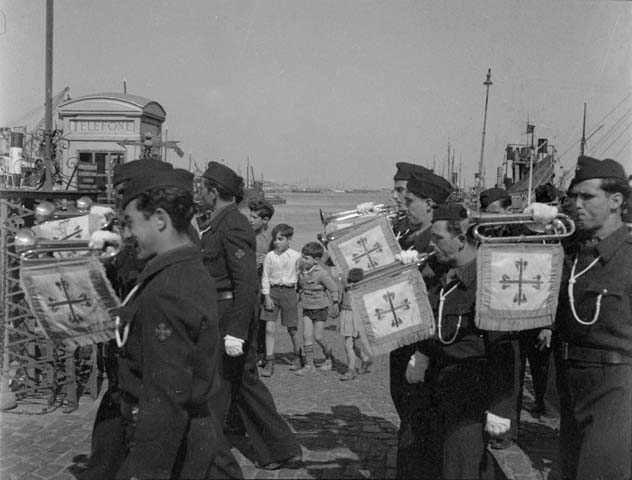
(169, 365)
(610, 277)
(470, 344)
(229, 251)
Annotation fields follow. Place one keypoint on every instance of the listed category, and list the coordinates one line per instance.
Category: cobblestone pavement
(347, 430)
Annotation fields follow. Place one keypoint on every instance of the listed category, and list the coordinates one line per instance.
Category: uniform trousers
(596, 420)
(271, 437)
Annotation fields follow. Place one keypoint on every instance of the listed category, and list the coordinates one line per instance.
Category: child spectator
(351, 330)
(278, 287)
(260, 215)
(315, 283)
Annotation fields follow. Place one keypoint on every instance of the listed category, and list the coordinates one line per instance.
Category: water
(302, 211)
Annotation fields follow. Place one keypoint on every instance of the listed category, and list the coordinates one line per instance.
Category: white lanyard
(442, 297)
(117, 321)
(571, 298)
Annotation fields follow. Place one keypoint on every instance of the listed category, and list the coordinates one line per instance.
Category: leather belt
(224, 295)
(574, 353)
(291, 285)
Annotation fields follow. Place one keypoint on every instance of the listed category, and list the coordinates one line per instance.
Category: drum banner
(517, 285)
(393, 307)
(370, 246)
(71, 299)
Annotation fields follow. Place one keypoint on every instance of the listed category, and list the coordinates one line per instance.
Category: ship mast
(582, 145)
(487, 83)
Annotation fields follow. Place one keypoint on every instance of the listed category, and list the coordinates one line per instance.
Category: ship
(254, 189)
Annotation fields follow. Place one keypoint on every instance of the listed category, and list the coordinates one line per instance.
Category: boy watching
(278, 287)
(315, 283)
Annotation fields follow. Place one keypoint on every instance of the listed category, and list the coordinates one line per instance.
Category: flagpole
(532, 129)
(487, 83)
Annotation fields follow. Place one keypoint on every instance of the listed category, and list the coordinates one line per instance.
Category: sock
(309, 354)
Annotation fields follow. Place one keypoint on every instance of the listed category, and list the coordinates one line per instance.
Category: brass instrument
(381, 209)
(561, 227)
(29, 246)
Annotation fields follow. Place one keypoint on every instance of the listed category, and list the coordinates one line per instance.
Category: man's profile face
(139, 230)
(399, 190)
(592, 205)
(208, 197)
(446, 244)
(419, 211)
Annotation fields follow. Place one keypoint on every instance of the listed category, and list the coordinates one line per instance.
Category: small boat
(254, 189)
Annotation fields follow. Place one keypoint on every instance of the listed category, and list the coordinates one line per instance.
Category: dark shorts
(286, 301)
(317, 315)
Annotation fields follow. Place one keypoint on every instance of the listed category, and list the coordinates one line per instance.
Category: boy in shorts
(278, 287)
(316, 286)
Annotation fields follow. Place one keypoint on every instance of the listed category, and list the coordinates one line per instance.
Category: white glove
(407, 256)
(416, 368)
(100, 238)
(542, 213)
(364, 208)
(496, 426)
(101, 210)
(233, 346)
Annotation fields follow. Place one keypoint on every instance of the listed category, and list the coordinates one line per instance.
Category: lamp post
(487, 84)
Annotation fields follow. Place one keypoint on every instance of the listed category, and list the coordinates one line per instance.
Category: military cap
(225, 176)
(177, 177)
(134, 168)
(588, 168)
(406, 170)
(450, 212)
(429, 185)
(546, 193)
(490, 195)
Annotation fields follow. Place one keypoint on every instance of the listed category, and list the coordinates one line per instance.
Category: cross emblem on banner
(392, 308)
(367, 251)
(54, 304)
(507, 282)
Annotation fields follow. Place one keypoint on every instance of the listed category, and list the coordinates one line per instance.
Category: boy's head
(281, 236)
(260, 214)
(311, 253)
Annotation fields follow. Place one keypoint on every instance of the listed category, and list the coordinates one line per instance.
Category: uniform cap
(225, 176)
(176, 177)
(588, 168)
(450, 212)
(406, 170)
(429, 185)
(134, 168)
(490, 195)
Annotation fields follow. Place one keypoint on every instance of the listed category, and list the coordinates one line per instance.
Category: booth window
(102, 160)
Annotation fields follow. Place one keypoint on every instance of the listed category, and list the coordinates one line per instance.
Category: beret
(134, 168)
(406, 170)
(177, 177)
(430, 185)
(491, 195)
(450, 212)
(225, 176)
(546, 193)
(588, 168)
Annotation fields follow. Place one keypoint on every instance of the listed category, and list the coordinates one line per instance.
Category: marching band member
(423, 192)
(108, 446)
(169, 361)
(467, 383)
(594, 325)
(229, 250)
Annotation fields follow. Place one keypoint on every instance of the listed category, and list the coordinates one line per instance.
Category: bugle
(385, 209)
(30, 246)
(561, 227)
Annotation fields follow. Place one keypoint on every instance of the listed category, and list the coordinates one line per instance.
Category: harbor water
(302, 210)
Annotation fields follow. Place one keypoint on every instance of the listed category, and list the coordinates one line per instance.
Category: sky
(335, 92)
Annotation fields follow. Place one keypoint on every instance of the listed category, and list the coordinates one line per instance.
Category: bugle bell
(562, 226)
(29, 246)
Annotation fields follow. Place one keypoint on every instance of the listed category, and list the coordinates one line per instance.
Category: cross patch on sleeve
(239, 253)
(162, 332)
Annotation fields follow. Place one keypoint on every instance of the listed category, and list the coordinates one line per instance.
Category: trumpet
(29, 246)
(561, 227)
(385, 209)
